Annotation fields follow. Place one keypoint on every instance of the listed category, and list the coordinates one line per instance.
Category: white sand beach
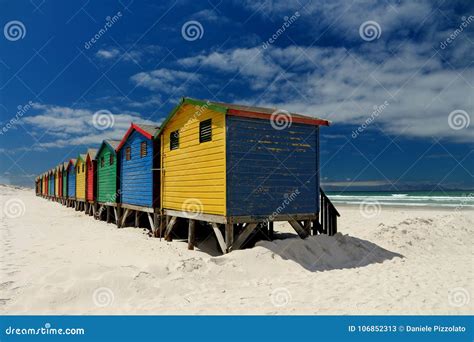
(54, 260)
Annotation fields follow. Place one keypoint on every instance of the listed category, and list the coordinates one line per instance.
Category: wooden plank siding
(137, 176)
(65, 188)
(51, 183)
(194, 174)
(60, 181)
(271, 171)
(71, 180)
(106, 175)
(90, 177)
(80, 179)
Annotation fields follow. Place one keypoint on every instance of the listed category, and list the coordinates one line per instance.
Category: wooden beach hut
(139, 163)
(60, 182)
(241, 168)
(45, 184)
(90, 181)
(51, 183)
(107, 179)
(71, 182)
(55, 175)
(81, 181)
(64, 182)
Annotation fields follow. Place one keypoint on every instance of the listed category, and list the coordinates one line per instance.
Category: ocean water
(461, 199)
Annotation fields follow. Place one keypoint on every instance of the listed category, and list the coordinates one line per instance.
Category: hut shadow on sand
(325, 253)
(315, 253)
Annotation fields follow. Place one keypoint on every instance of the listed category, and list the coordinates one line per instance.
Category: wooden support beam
(299, 229)
(239, 242)
(270, 230)
(220, 238)
(116, 210)
(108, 214)
(307, 226)
(156, 224)
(124, 217)
(169, 228)
(191, 234)
(150, 220)
(229, 236)
(137, 218)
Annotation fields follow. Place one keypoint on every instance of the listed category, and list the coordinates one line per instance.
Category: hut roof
(72, 161)
(265, 113)
(91, 152)
(113, 144)
(148, 131)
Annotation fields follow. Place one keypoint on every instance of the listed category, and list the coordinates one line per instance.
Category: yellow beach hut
(81, 177)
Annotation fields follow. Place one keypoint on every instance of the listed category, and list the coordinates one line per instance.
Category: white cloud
(108, 54)
(165, 80)
(246, 62)
(345, 85)
(59, 126)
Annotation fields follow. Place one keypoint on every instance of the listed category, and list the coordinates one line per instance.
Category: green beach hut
(107, 172)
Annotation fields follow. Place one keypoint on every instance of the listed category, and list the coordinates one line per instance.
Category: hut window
(111, 159)
(128, 153)
(174, 140)
(143, 149)
(205, 130)
(102, 162)
(82, 168)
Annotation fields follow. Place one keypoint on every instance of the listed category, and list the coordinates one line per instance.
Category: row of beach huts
(232, 169)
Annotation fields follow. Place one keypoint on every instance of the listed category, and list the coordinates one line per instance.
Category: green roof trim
(187, 100)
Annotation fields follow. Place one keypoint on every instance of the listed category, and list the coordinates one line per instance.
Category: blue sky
(396, 79)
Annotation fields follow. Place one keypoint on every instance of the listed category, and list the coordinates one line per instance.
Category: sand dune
(54, 260)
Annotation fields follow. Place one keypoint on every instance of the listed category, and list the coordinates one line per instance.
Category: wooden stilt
(150, 220)
(229, 236)
(118, 217)
(239, 242)
(108, 211)
(220, 238)
(137, 218)
(299, 229)
(191, 234)
(270, 230)
(156, 225)
(124, 217)
(169, 228)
